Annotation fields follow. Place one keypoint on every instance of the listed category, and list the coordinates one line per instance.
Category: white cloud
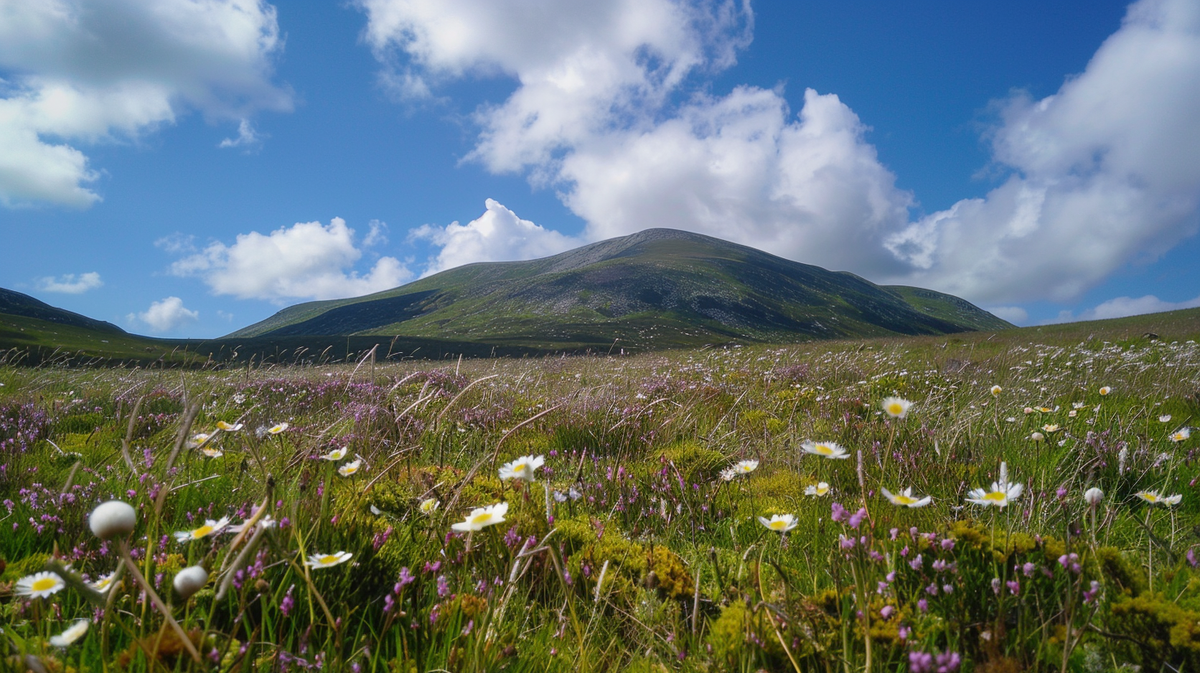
(305, 261)
(496, 236)
(84, 71)
(608, 109)
(247, 137)
(1121, 307)
(164, 316)
(1013, 314)
(1105, 173)
(70, 283)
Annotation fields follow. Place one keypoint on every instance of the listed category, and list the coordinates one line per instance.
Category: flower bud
(190, 580)
(112, 519)
(1093, 496)
(1037, 437)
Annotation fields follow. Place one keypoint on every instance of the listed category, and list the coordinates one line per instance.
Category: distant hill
(17, 304)
(654, 289)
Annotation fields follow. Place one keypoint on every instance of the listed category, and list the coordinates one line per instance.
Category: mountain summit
(656, 288)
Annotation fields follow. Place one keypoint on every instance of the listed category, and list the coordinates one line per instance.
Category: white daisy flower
(211, 451)
(521, 468)
(1156, 498)
(210, 527)
(276, 429)
(482, 517)
(73, 633)
(336, 454)
(996, 390)
(39, 585)
(229, 427)
(780, 523)
(905, 498)
(1165, 418)
(198, 440)
(820, 489)
(896, 407)
(103, 583)
(429, 505)
(1104, 390)
(1001, 493)
(327, 560)
(826, 449)
(1181, 434)
(350, 468)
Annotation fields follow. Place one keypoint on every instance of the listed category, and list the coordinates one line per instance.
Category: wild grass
(630, 551)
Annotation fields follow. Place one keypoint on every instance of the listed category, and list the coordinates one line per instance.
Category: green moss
(1120, 573)
(1157, 633)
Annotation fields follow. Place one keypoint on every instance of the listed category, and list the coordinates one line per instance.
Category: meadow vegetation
(717, 509)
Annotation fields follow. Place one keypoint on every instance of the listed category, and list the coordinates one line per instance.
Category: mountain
(17, 304)
(657, 288)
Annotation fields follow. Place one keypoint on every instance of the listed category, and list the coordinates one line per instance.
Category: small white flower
(1093, 496)
(522, 468)
(1037, 437)
(276, 429)
(1104, 390)
(1001, 493)
(349, 468)
(429, 505)
(896, 407)
(229, 427)
(740, 468)
(780, 523)
(104, 583)
(39, 585)
(112, 519)
(482, 517)
(1182, 434)
(327, 560)
(1165, 418)
(336, 454)
(1156, 498)
(826, 449)
(905, 498)
(199, 440)
(211, 451)
(996, 390)
(820, 489)
(73, 633)
(210, 527)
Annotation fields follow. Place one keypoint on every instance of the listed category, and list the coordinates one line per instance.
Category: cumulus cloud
(1121, 307)
(165, 316)
(305, 261)
(496, 236)
(1104, 173)
(247, 137)
(70, 283)
(81, 71)
(609, 109)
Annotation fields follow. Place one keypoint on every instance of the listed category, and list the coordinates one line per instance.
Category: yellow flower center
(44, 584)
(519, 467)
(1149, 497)
(905, 500)
(328, 560)
(895, 409)
(823, 450)
(349, 469)
(778, 524)
(202, 531)
(822, 490)
(996, 496)
(482, 518)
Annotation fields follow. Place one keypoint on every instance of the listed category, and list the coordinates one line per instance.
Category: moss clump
(1159, 634)
(1126, 577)
(671, 575)
(26, 566)
(692, 460)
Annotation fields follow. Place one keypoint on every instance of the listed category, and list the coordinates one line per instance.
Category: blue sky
(186, 169)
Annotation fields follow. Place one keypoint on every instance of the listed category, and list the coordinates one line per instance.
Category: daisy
(350, 468)
(210, 527)
(482, 517)
(104, 583)
(73, 633)
(996, 390)
(429, 505)
(905, 498)
(1045, 410)
(199, 440)
(211, 451)
(39, 585)
(1001, 493)
(896, 407)
(1105, 390)
(1156, 498)
(336, 454)
(1165, 418)
(820, 489)
(229, 427)
(741, 467)
(521, 468)
(1181, 434)
(827, 449)
(327, 560)
(780, 523)
(1050, 427)
(276, 429)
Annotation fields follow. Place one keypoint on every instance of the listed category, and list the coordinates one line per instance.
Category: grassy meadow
(636, 544)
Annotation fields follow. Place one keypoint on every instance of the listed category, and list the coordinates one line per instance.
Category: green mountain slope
(657, 288)
(22, 305)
